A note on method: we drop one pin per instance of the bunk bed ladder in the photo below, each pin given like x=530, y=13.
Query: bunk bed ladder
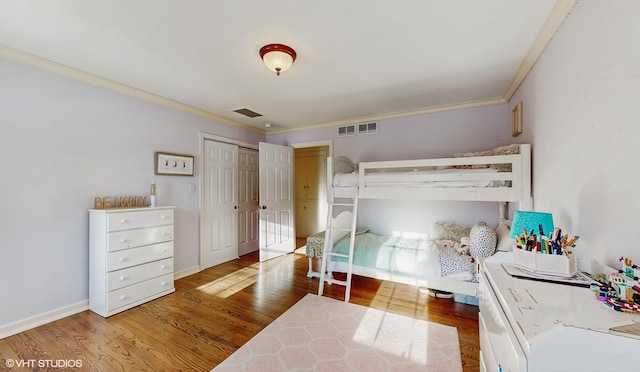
x=327, y=251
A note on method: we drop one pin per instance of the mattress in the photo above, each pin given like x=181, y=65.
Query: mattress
x=352, y=179
x=393, y=257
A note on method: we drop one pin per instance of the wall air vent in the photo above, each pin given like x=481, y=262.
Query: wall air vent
x=368, y=128
x=346, y=130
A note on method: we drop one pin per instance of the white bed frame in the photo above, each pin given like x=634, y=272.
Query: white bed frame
x=518, y=192
x=343, y=221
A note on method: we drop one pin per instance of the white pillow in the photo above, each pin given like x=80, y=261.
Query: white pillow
x=448, y=231
x=482, y=240
x=505, y=243
x=342, y=164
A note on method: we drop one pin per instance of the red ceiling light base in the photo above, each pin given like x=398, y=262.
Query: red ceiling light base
x=278, y=57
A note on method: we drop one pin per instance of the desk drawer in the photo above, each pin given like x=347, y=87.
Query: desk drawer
x=138, y=237
x=128, y=295
x=136, y=274
x=133, y=220
x=487, y=355
x=500, y=348
x=136, y=256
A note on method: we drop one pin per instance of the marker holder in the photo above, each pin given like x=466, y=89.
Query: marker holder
x=546, y=264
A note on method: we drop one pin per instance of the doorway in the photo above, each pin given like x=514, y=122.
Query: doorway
x=311, y=189
x=261, y=221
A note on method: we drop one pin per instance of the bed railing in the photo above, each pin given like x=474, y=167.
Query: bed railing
x=511, y=186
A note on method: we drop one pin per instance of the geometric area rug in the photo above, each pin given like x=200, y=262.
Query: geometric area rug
x=322, y=334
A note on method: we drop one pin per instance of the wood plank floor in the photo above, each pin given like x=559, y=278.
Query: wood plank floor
x=213, y=313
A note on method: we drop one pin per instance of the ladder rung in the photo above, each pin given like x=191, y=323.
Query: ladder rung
x=336, y=281
x=340, y=228
x=344, y=255
x=344, y=204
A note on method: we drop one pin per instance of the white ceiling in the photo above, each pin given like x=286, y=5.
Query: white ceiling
x=357, y=60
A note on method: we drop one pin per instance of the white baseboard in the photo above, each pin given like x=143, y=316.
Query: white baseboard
x=55, y=314
x=44, y=318
x=186, y=272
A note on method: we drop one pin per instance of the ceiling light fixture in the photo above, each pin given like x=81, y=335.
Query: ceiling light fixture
x=277, y=57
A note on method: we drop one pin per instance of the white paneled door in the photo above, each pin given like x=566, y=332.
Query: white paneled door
x=219, y=234
x=277, y=234
x=248, y=214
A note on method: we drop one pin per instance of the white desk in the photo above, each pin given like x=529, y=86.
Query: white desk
x=528, y=325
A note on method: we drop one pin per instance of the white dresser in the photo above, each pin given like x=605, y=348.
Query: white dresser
x=528, y=325
x=130, y=257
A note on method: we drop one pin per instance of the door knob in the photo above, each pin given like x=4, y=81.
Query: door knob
x=264, y=207
x=235, y=207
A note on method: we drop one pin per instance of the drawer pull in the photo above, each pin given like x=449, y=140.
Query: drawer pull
x=123, y=221
x=163, y=217
x=163, y=284
x=163, y=251
x=123, y=297
x=163, y=233
x=123, y=240
x=122, y=278
x=163, y=267
x=122, y=259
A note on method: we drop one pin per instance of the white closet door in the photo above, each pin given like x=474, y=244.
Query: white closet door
x=277, y=235
x=219, y=230
x=248, y=212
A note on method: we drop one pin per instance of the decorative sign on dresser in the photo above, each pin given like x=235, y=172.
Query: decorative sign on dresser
x=130, y=257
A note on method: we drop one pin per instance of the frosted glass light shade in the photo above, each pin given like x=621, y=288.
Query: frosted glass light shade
x=278, y=61
x=277, y=57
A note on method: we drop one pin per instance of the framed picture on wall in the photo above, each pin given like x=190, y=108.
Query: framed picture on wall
x=173, y=164
x=516, y=120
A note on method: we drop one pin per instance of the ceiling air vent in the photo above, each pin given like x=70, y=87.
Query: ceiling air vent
x=347, y=130
x=368, y=128
x=247, y=112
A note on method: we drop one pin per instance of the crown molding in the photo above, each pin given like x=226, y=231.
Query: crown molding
x=73, y=73
x=394, y=115
x=558, y=14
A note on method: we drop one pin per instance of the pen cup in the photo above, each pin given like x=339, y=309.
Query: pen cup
x=546, y=264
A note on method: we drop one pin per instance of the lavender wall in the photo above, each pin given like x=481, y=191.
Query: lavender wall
x=581, y=110
x=424, y=136
x=64, y=142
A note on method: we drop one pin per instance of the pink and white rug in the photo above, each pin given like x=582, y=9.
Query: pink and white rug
x=323, y=334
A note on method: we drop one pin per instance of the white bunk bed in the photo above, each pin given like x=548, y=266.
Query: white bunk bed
x=418, y=180
x=498, y=178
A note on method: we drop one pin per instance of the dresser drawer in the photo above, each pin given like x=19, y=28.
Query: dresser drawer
x=138, y=237
x=136, y=256
x=137, y=219
x=125, y=296
x=499, y=346
x=136, y=274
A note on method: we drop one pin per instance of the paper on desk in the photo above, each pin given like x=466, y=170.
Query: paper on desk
x=580, y=279
x=631, y=330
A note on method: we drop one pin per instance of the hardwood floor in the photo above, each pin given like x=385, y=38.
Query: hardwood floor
x=213, y=313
